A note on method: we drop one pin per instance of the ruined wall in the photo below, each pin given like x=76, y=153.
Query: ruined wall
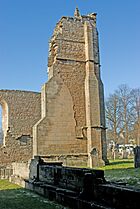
x=69, y=62
x=68, y=117
x=20, y=111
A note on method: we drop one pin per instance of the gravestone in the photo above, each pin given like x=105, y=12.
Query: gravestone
x=137, y=157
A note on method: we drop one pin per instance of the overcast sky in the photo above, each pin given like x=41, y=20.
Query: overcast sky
x=27, y=25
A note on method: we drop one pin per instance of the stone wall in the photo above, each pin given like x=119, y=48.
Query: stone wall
x=21, y=169
x=56, y=131
x=73, y=119
x=67, y=118
x=69, y=62
x=20, y=111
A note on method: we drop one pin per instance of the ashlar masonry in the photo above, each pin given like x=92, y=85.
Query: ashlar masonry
x=66, y=122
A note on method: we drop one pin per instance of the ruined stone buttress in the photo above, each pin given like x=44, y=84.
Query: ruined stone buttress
x=72, y=124
x=66, y=122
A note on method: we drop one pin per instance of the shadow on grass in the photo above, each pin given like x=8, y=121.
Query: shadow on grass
x=24, y=199
x=121, y=170
x=128, y=176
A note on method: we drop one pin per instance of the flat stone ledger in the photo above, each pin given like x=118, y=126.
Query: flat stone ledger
x=79, y=188
x=72, y=102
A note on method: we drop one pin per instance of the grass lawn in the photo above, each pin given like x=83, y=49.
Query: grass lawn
x=123, y=171
x=14, y=197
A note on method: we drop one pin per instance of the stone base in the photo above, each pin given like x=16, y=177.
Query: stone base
x=75, y=160
x=94, y=162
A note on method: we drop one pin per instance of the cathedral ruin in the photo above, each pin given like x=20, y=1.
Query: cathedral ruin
x=66, y=121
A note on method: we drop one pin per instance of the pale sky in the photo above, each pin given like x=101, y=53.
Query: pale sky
x=27, y=25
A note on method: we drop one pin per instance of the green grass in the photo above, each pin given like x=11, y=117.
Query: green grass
x=5, y=185
x=123, y=171
x=120, y=164
x=14, y=197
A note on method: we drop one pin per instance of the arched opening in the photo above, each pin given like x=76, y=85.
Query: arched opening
x=3, y=121
x=1, y=131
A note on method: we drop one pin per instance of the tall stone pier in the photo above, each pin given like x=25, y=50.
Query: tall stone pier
x=72, y=124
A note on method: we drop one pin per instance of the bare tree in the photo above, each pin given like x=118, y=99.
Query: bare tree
x=113, y=115
x=124, y=94
x=136, y=110
x=123, y=114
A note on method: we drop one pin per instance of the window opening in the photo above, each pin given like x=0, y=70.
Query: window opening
x=1, y=131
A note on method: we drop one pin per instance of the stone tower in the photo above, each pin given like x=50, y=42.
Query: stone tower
x=72, y=124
